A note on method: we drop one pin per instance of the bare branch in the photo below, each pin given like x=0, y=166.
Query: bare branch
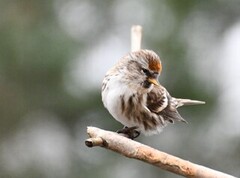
x=136, y=37
x=136, y=150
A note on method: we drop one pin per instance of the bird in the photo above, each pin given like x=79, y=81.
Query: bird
x=133, y=95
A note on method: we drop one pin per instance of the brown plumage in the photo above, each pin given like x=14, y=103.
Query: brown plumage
x=133, y=96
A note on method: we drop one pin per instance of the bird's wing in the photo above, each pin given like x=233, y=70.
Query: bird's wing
x=160, y=102
x=157, y=99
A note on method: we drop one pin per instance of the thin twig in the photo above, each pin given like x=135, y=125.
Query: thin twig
x=136, y=37
x=136, y=150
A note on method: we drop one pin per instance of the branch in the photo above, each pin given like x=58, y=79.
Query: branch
x=136, y=37
x=136, y=150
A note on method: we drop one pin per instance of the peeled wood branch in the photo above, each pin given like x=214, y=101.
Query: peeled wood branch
x=136, y=150
x=136, y=37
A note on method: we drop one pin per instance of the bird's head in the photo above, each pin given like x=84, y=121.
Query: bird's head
x=144, y=67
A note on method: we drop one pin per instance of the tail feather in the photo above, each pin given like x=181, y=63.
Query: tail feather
x=180, y=102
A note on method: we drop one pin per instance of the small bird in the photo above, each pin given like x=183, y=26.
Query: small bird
x=134, y=97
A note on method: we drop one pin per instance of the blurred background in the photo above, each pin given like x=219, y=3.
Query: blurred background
x=54, y=55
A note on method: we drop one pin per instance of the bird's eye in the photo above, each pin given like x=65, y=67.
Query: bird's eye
x=145, y=71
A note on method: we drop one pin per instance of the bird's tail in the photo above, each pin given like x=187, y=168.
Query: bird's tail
x=180, y=102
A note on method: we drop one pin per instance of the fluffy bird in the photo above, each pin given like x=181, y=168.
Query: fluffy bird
x=133, y=96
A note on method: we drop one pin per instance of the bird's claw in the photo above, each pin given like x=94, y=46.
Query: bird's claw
x=131, y=132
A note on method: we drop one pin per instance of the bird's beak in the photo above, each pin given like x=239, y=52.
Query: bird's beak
x=153, y=81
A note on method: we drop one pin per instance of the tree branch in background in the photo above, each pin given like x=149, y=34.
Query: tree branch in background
x=136, y=37
x=136, y=150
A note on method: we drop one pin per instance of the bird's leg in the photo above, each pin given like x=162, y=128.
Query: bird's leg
x=131, y=132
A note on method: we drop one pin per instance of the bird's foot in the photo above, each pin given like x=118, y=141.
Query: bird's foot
x=131, y=132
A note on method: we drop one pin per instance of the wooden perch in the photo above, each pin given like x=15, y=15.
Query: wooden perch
x=136, y=150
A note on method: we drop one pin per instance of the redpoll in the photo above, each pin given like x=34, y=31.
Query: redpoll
x=134, y=97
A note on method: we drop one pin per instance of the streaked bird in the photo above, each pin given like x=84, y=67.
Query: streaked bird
x=134, y=97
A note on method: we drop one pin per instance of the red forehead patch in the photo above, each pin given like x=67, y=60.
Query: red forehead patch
x=155, y=65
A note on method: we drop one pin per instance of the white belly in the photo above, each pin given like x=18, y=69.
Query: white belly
x=111, y=97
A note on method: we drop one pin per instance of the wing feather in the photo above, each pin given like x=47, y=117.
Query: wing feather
x=157, y=99
x=160, y=102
